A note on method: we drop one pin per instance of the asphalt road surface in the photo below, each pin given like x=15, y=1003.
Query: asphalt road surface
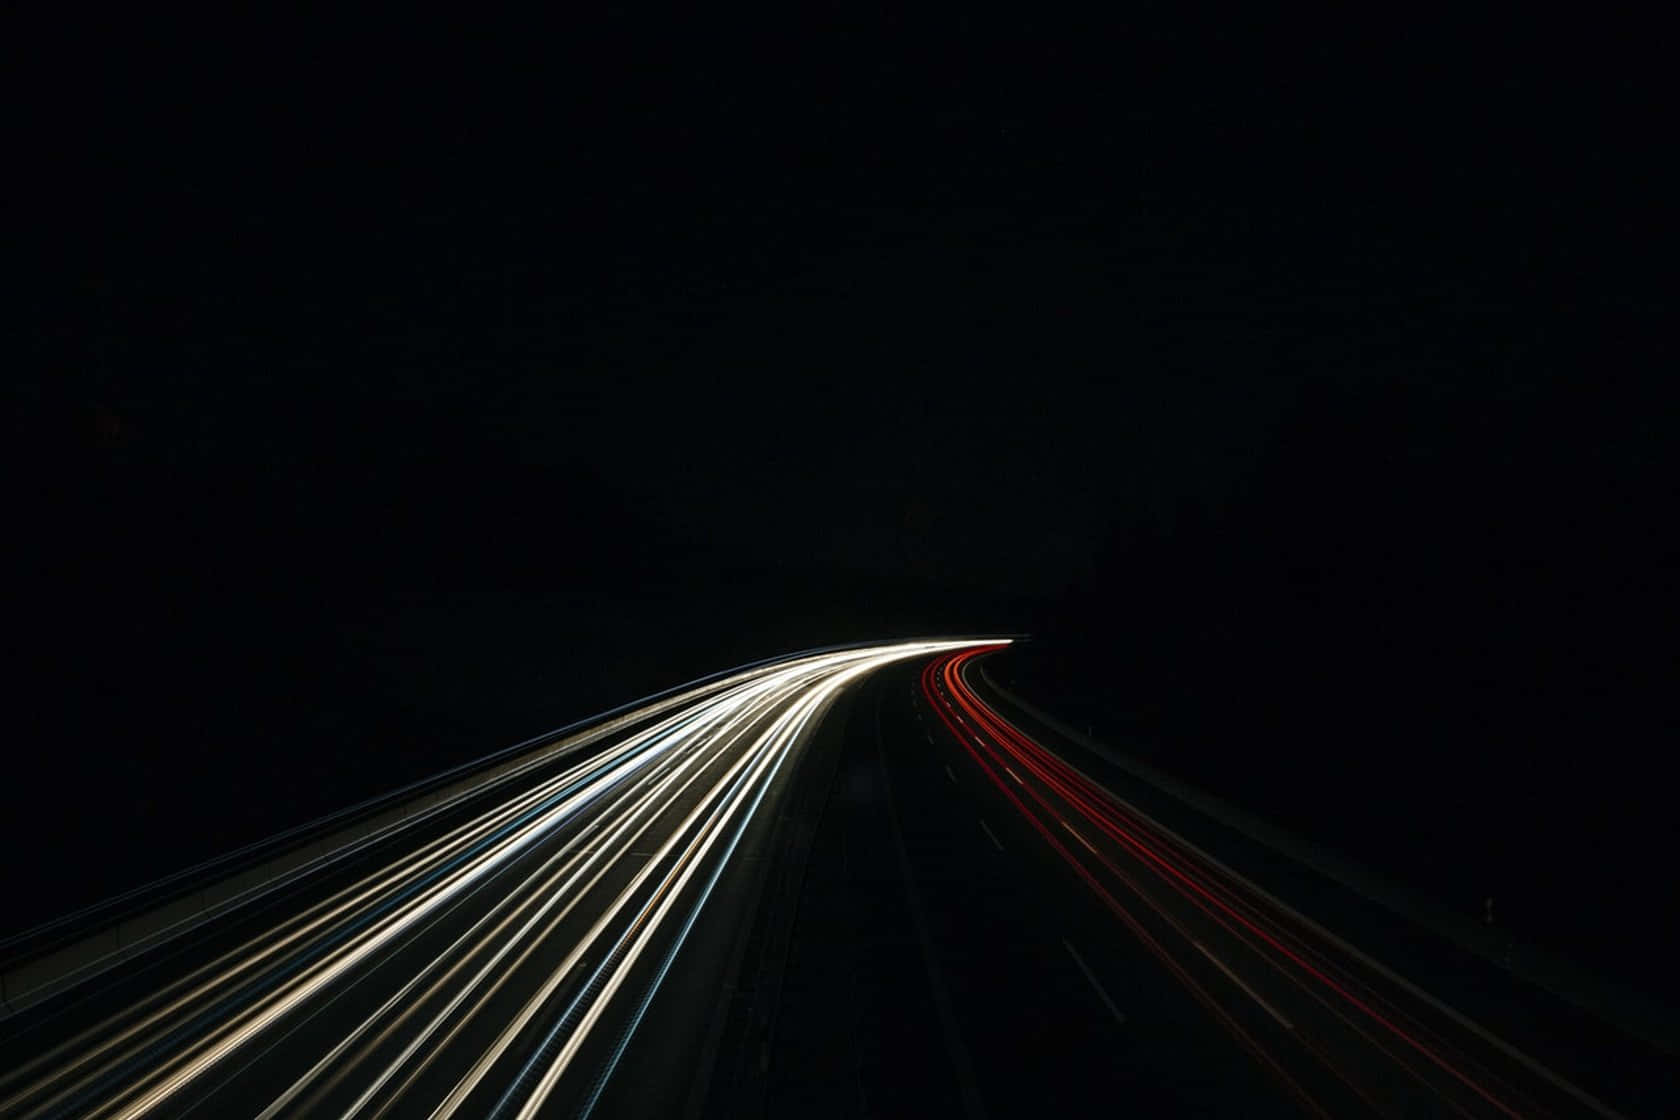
x=1335, y=1031
x=847, y=884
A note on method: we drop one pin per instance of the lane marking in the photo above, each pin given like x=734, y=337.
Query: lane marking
x=1238, y=982
x=991, y=837
x=1014, y=775
x=1101, y=994
x=1388, y=973
x=1079, y=838
x=950, y=775
x=961, y=1061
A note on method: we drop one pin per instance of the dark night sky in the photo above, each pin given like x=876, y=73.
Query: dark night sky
x=406, y=388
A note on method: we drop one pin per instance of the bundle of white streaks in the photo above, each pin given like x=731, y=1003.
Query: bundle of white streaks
x=471, y=971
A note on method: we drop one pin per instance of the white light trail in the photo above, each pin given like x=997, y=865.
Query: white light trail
x=670, y=801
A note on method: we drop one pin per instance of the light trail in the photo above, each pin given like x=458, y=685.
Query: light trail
x=1349, y=1015
x=567, y=884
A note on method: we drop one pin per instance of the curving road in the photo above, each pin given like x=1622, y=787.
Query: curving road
x=497, y=956
x=1338, y=1031
x=845, y=883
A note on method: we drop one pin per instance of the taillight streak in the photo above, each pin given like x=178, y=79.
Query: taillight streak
x=1043, y=765
x=1149, y=941
x=1083, y=796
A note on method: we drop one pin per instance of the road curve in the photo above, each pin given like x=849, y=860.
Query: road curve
x=495, y=960
x=1340, y=1032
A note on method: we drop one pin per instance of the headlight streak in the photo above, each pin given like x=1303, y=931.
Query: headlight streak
x=547, y=846
x=630, y=942
x=601, y=1079
x=772, y=749
x=247, y=957
x=537, y=1000
x=509, y=840
x=607, y=771
x=572, y=862
x=539, y=756
x=571, y=890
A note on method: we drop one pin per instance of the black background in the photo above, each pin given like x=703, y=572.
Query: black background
x=393, y=393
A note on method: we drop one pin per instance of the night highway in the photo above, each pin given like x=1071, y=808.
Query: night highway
x=1336, y=1028
x=493, y=956
x=841, y=882
x=834, y=563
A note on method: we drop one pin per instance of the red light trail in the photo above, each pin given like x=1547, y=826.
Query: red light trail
x=1159, y=885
